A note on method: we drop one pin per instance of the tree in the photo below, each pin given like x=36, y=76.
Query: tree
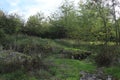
x=114, y=13
x=66, y=19
x=88, y=21
x=57, y=28
x=34, y=25
x=15, y=24
x=11, y=24
x=94, y=17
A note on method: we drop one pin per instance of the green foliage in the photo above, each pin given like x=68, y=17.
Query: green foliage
x=65, y=22
x=43, y=74
x=85, y=23
x=55, y=66
x=91, y=21
x=115, y=71
x=57, y=32
x=34, y=25
x=68, y=69
x=17, y=75
x=2, y=36
x=29, y=45
x=11, y=24
x=11, y=61
x=107, y=56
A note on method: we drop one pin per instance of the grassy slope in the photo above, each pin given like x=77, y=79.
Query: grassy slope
x=68, y=69
x=74, y=65
x=61, y=69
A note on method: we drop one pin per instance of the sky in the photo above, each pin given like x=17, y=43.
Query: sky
x=27, y=8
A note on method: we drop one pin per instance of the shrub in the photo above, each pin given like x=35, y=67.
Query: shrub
x=11, y=61
x=107, y=56
x=2, y=36
x=58, y=32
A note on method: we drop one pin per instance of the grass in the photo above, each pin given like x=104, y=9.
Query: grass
x=60, y=68
x=17, y=75
x=68, y=69
x=115, y=71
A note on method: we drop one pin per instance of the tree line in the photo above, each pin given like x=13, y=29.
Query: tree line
x=92, y=20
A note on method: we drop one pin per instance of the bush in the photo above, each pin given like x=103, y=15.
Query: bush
x=11, y=61
x=2, y=36
x=107, y=56
x=28, y=45
x=58, y=32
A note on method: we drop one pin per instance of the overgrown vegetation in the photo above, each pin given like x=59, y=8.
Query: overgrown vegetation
x=60, y=46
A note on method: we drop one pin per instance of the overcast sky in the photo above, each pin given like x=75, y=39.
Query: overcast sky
x=26, y=8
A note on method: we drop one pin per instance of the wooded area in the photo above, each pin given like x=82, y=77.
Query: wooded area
x=82, y=34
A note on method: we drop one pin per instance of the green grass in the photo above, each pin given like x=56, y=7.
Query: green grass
x=68, y=69
x=115, y=71
x=17, y=75
x=63, y=69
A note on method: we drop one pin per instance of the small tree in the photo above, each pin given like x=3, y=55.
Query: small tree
x=34, y=25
